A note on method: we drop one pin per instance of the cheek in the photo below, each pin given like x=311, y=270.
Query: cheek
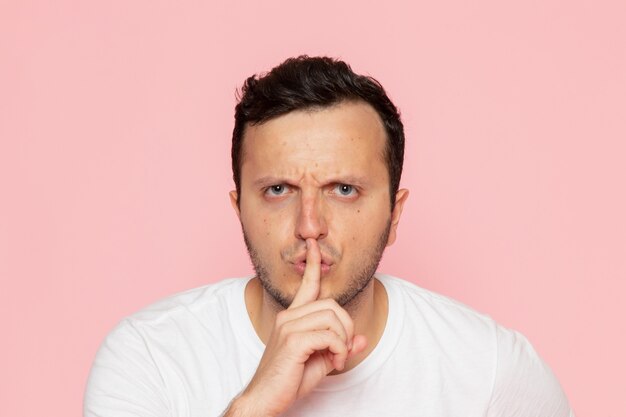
x=267, y=228
x=258, y=227
x=362, y=228
x=265, y=231
x=350, y=231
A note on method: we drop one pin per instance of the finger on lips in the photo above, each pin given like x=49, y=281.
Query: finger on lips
x=323, y=323
x=310, y=287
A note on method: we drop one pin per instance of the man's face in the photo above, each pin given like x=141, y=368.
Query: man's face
x=317, y=174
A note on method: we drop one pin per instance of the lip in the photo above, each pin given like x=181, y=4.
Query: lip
x=302, y=258
x=299, y=264
x=300, y=267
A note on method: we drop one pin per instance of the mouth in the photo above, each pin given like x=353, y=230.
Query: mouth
x=300, y=267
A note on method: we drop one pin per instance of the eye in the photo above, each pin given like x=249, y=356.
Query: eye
x=345, y=190
x=277, y=190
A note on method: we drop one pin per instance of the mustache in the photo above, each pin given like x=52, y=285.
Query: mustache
x=299, y=248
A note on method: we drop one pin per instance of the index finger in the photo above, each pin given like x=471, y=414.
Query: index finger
x=310, y=287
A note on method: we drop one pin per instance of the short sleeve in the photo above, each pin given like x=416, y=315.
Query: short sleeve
x=124, y=380
x=524, y=386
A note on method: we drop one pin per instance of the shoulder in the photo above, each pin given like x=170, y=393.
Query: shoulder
x=177, y=320
x=192, y=300
x=444, y=313
x=521, y=382
x=128, y=370
x=524, y=384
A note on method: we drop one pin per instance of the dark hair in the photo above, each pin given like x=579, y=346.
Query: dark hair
x=308, y=82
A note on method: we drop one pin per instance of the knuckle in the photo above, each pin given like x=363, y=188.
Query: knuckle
x=341, y=349
x=281, y=318
x=291, y=340
x=284, y=329
x=349, y=325
x=328, y=314
x=335, y=338
x=328, y=336
x=340, y=313
x=331, y=303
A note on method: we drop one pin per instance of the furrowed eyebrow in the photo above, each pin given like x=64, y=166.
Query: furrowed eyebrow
x=267, y=181
x=349, y=179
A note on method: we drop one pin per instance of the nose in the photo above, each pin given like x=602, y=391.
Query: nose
x=311, y=221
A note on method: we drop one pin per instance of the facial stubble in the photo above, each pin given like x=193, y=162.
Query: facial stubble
x=357, y=282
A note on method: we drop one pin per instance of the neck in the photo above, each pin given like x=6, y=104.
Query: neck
x=368, y=311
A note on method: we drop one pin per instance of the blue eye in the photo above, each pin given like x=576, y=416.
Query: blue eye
x=345, y=189
x=276, y=190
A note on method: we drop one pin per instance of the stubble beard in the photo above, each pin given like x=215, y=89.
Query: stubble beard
x=349, y=297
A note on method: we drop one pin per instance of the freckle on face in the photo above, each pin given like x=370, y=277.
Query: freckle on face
x=324, y=145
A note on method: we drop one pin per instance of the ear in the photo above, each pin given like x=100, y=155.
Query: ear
x=401, y=197
x=234, y=199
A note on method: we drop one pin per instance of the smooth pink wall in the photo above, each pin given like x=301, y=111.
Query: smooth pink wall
x=115, y=119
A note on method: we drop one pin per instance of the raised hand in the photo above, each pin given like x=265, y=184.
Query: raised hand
x=309, y=340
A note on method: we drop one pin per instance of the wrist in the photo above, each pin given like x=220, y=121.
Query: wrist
x=244, y=406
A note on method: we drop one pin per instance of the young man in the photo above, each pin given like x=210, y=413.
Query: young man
x=317, y=158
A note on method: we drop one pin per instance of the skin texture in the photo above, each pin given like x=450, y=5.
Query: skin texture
x=316, y=217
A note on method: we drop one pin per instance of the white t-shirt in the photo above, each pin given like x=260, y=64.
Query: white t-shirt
x=190, y=354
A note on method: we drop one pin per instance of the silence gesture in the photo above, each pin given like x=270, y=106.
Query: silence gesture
x=309, y=340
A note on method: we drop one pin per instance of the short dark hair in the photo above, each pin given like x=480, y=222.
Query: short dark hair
x=308, y=82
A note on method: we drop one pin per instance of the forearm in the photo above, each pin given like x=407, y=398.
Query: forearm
x=241, y=406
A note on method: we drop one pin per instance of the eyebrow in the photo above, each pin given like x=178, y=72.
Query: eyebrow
x=267, y=181
x=340, y=179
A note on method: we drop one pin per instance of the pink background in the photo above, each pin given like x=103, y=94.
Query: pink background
x=115, y=123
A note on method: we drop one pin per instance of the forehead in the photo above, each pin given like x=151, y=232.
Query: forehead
x=340, y=139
